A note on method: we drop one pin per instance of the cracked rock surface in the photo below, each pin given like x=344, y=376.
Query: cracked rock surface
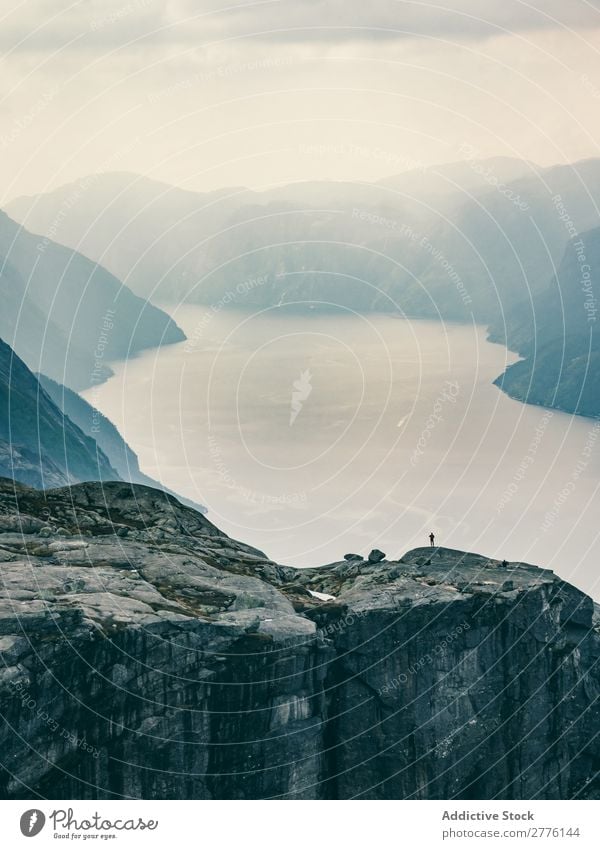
x=145, y=654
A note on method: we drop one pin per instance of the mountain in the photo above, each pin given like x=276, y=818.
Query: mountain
x=50, y=436
x=38, y=444
x=386, y=246
x=66, y=315
x=558, y=336
x=177, y=663
x=139, y=229
x=468, y=176
x=469, y=241
x=95, y=425
x=507, y=247
x=564, y=375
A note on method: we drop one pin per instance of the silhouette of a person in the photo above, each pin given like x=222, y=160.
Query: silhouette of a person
x=432, y=539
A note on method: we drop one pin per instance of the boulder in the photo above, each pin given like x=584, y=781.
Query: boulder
x=376, y=556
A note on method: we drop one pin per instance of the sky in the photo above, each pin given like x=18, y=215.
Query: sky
x=206, y=93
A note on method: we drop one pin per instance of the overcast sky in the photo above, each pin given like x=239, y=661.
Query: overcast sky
x=205, y=93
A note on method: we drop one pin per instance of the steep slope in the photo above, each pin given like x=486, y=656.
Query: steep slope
x=147, y=655
x=507, y=242
x=25, y=326
x=38, y=444
x=145, y=232
x=558, y=336
x=67, y=316
x=95, y=425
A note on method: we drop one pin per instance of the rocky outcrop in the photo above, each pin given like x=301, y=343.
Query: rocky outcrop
x=29, y=466
x=146, y=654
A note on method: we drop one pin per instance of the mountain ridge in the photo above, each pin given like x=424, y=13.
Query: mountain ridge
x=488, y=251
x=39, y=444
x=106, y=435
x=66, y=315
x=558, y=337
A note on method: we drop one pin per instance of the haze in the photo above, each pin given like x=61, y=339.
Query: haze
x=203, y=94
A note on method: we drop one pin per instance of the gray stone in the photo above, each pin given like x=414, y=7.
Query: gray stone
x=376, y=556
x=158, y=667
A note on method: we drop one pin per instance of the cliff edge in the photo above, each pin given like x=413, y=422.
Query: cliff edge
x=145, y=654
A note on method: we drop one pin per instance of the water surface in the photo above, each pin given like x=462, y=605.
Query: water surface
x=314, y=436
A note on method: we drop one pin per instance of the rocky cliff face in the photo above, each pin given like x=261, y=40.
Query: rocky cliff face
x=146, y=654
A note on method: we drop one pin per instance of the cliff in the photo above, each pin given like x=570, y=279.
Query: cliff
x=146, y=654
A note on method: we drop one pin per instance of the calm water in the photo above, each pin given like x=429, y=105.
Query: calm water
x=312, y=436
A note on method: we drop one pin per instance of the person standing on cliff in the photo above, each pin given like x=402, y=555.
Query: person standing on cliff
x=432, y=539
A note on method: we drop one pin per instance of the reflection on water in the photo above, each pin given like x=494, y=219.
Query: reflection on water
x=313, y=436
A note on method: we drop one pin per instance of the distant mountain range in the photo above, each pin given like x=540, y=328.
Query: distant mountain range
x=473, y=240
x=393, y=245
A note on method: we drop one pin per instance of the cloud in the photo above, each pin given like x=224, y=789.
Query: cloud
x=204, y=95
x=102, y=24
x=351, y=19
